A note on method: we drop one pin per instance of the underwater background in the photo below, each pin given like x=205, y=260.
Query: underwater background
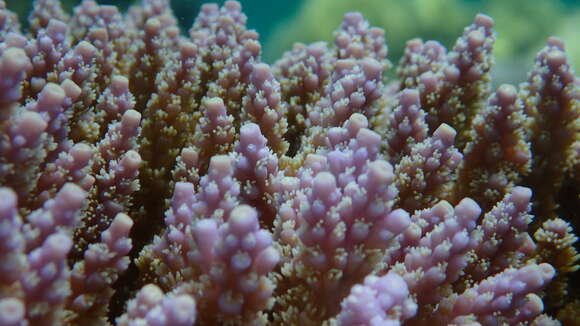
x=522, y=25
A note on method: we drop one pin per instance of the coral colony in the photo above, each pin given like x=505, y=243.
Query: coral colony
x=152, y=177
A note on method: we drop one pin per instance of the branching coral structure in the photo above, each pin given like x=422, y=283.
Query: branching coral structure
x=150, y=177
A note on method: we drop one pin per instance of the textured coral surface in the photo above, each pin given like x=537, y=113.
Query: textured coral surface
x=152, y=177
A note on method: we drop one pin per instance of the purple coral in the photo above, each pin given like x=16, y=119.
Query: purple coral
x=237, y=257
x=13, y=244
x=355, y=88
x=379, y=301
x=150, y=177
x=441, y=255
x=502, y=296
x=497, y=154
x=426, y=173
x=406, y=125
x=13, y=65
x=153, y=308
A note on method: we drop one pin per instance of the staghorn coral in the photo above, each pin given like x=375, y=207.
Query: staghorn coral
x=148, y=177
x=523, y=25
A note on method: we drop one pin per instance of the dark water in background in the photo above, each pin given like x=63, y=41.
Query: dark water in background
x=280, y=23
